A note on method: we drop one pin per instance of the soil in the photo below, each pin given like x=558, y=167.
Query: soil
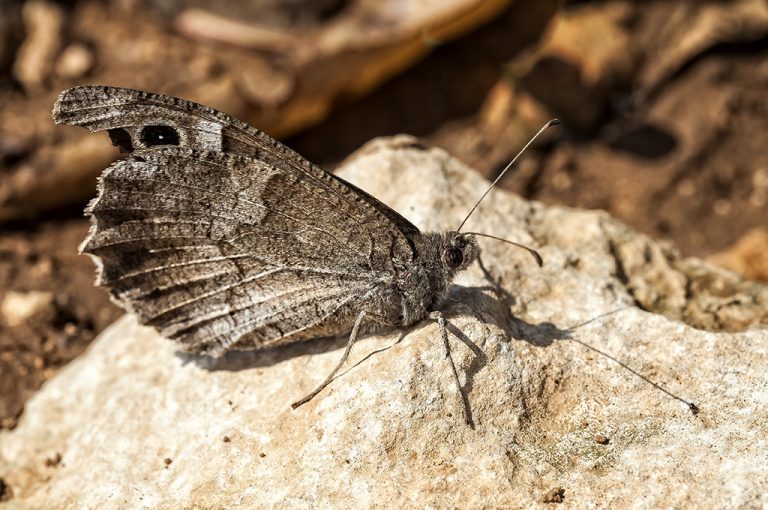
x=700, y=179
x=44, y=258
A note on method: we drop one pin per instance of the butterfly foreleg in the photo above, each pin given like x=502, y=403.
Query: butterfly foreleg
x=352, y=339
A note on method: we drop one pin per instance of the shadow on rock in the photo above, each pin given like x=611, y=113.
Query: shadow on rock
x=255, y=358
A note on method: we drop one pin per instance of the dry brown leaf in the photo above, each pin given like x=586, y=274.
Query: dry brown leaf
x=692, y=28
x=209, y=26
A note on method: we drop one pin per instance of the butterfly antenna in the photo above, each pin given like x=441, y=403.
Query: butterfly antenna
x=690, y=405
x=551, y=123
x=530, y=250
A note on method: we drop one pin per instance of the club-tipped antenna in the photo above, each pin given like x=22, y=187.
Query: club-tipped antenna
x=530, y=250
x=551, y=123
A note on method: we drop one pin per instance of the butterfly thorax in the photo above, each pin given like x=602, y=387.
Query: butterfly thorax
x=423, y=283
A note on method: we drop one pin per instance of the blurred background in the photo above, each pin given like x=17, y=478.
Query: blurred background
x=663, y=106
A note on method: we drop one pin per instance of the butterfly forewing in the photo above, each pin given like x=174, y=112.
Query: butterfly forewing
x=129, y=115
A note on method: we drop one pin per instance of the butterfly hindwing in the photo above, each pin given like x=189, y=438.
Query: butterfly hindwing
x=215, y=249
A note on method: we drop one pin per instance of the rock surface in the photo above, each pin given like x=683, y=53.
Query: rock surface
x=134, y=424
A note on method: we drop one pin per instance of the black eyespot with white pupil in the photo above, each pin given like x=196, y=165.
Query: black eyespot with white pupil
x=453, y=256
x=159, y=135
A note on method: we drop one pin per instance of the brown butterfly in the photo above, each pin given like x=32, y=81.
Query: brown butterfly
x=222, y=238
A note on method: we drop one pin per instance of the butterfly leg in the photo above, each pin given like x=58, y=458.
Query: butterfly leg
x=440, y=318
x=352, y=339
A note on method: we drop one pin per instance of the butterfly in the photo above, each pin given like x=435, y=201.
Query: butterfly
x=222, y=238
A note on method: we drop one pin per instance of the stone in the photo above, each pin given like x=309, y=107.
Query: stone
x=75, y=61
x=18, y=307
x=137, y=424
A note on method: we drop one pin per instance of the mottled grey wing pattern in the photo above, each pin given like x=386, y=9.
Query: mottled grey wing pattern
x=219, y=249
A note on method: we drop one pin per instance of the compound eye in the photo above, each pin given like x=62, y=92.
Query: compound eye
x=453, y=256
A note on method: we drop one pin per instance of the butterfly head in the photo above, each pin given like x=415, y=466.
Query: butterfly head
x=459, y=251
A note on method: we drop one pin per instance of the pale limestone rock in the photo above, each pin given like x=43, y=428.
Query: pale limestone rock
x=388, y=432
